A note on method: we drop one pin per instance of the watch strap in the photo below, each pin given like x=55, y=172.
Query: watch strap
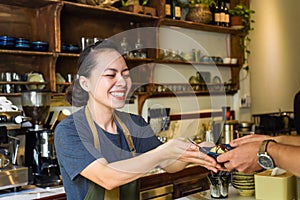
x=264, y=145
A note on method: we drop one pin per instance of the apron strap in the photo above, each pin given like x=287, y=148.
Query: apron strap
x=95, y=191
x=127, y=135
x=93, y=128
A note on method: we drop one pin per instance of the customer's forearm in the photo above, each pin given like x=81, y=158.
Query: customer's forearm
x=287, y=139
x=285, y=156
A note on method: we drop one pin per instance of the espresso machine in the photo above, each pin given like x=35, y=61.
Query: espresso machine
x=40, y=157
x=13, y=174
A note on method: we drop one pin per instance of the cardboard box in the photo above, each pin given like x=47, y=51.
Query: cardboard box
x=283, y=187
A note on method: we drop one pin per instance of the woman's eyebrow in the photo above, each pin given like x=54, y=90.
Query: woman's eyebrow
x=115, y=70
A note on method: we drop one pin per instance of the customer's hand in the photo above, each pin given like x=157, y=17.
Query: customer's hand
x=249, y=138
x=242, y=158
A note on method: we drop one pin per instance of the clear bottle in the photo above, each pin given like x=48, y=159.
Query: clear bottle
x=124, y=46
x=138, y=48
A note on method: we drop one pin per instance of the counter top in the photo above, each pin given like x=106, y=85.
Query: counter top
x=32, y=192
x=205, y=195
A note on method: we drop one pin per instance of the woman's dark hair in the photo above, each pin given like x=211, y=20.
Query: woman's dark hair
x=87, y=61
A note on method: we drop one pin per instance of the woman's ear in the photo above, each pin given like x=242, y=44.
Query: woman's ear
x=83, y=81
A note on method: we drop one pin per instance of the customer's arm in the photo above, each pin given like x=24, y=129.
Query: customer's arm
x=288, y=139
x=282, y=139
x=285, y=156
x=285, y=153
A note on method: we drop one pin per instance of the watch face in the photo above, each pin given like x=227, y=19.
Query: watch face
x=265, y=161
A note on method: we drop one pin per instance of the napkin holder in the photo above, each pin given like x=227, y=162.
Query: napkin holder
x=269, y=187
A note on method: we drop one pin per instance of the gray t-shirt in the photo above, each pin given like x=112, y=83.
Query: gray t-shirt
x=75, y=147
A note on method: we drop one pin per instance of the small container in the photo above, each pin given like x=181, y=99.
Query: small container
x=7, y=42
x=226, y=60
x=234, y=61
x=64, y=47
x=39, y=46
x=73, y=48
x=196, y=55
x=22, y=44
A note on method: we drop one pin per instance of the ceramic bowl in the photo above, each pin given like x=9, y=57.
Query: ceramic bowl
x=246, y=193
x=22, y=44
x=73, y=48
x=7, y=42
x=39, y=46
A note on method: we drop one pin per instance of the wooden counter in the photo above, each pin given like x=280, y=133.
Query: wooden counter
x=188, y=181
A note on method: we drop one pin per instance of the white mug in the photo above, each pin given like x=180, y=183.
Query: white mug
x=2, y=109
x=8, y=107
x=226, y=60
x=4, y=100
x=234, y=61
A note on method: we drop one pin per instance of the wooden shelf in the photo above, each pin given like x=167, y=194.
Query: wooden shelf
x=75, y=55
x=198, y=26
x=25, y=53
x=67, y=21
x=63, y=83
x=195, y=63
x=102, y=12
x=143, y=96
x=22, y=83
x=29, y=3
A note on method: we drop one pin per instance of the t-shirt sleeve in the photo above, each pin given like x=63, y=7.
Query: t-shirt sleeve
x=74, y=148
x=146, y=138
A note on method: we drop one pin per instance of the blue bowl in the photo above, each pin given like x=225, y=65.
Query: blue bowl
x=22, y=44
x=73, y=48
x=7, y=45
x=39, y=46
x=7, y=42
x=64, y=47
x=7, y=38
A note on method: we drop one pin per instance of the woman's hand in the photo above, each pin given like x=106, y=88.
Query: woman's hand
x=185, y=152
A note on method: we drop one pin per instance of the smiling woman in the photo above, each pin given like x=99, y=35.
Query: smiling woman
x=98, y=142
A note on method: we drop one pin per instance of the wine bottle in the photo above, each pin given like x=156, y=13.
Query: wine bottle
x=168, y=9
x=212, y=8
x=177, y=10
x=222, y=13
x=227, y=16
x=217, y=14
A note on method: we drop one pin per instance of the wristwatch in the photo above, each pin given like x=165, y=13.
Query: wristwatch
x=264, y=159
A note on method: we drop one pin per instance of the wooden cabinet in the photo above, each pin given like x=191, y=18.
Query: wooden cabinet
x=188, y=181
x=57, y=22
x=35, y=21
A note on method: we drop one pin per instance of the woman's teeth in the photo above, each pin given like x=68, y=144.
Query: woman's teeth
x=118, y=94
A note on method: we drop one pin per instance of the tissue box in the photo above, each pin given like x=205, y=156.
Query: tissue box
x=269, y=187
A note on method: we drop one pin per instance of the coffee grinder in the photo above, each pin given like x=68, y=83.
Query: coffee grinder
x=40, y=155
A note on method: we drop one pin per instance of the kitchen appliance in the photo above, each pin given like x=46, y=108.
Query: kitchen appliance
x=13, y=174
x=225, y=131
x=40, y=155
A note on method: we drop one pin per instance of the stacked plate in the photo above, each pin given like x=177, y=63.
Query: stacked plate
x=244, y=183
